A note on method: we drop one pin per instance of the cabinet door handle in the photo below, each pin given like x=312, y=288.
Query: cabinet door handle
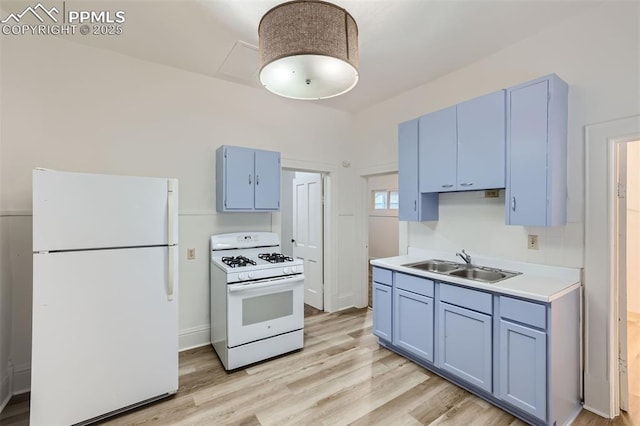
x=467, y=184
x=249, y=178
x=447, y=186
x=257, y=179
x=513, y=203
x=415, y=205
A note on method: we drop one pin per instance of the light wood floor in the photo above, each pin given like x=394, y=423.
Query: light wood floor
x=340, y=377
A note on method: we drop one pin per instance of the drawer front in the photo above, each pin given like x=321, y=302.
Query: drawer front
x=419, y=285
x=382, y=276
x=467, y=298
x=529, y=313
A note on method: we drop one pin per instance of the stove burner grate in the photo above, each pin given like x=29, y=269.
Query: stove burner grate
x=237, y=261
x=275, y=257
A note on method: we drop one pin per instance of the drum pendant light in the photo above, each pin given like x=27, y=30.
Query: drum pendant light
x=308, y=50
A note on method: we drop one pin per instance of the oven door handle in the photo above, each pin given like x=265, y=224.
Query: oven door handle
x=270, y=283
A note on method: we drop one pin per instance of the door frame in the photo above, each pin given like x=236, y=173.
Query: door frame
x=361, y=258
x=620, y=236
x=601, y=370
x=330, y=229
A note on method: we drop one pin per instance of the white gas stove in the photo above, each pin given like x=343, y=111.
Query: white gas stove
x=257, y=298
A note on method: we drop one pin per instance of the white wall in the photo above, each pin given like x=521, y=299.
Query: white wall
x=71, y=107
x=597, y=53
x=633, y=226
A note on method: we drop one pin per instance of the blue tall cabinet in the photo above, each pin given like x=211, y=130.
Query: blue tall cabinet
x=247, y=179
x=414, y=205
x=536, y=192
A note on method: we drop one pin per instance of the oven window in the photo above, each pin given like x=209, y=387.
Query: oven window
x=268, y=307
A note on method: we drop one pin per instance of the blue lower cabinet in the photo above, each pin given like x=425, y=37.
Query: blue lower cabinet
x=465, y=344
x=523, y=368
x=413, y=323
x=382, y=309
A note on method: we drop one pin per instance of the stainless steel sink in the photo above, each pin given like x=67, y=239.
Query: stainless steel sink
x=435, y=265
x=479, y=275
x=462, y=270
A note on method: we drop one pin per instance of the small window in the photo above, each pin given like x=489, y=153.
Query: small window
x=393, y=200
x=379, y=200
x=385, y=200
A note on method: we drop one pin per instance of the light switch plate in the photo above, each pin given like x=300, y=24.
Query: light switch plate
x=191, y=254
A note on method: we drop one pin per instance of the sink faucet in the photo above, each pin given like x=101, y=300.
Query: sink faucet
x=466, y=257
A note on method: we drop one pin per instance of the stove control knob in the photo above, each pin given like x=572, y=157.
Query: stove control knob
x=242, y=276
x=294, y=269
x=286, y=270
x=251, y=275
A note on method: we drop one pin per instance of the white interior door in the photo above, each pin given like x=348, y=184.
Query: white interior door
x=621, y=271
x=308, y=234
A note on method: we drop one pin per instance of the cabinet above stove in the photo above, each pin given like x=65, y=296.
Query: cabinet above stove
x=247, y=180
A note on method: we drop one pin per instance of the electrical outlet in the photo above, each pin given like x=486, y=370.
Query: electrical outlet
x=532, y=243
x=191, y=254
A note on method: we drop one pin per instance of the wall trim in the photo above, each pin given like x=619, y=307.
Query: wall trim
x=5, y=388
x=194, y=337
x=197, y=213
x=206, y=212
x=21, y=381
x=378, y=169
x=9, y=213
x=310, y=166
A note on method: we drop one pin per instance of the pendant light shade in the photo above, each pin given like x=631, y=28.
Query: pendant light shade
x=308, y=50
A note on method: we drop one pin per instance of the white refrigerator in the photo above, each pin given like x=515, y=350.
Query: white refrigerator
x=105, y=294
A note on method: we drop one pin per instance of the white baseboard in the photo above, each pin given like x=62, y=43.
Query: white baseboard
x=194, y=337
x=598, y=412
x=345, y=302
x=21, y=382
x=5, y=389
x=573, y=418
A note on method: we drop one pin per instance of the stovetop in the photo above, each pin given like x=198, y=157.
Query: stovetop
x=275, y=257
x=252, y=256
x=237, y=261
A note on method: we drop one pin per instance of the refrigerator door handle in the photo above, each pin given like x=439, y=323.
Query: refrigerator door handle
x=170, y=212
x=170, y=242
x=170, y=273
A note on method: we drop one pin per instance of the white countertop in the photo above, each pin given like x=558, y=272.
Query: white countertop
x=542, y=283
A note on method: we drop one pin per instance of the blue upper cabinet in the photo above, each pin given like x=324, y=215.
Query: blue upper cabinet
x=267, y=185
x=462, y=148
x=536, y=192
x=247, y=179
x=414, y=206
x=481, y=142
x=438, y=151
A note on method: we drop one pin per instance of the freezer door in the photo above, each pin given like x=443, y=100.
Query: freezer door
x=105, y=335
x=78, y=211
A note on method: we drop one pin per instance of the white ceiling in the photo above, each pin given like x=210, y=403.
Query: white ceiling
x=403, y=43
